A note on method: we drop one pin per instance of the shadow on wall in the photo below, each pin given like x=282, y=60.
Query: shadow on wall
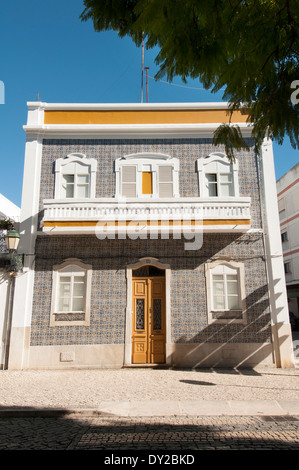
x=208, y=345
x=231, y=344
x=118, y=253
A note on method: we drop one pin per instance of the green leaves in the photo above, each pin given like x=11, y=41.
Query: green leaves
x=250, y=48
x=231, y=137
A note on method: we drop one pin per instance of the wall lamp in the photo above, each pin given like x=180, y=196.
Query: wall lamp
x=14, y=265
x=12, y=240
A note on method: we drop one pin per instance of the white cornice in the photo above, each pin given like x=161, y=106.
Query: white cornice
x=125, y=106
x=136, y=130
x=35, y=124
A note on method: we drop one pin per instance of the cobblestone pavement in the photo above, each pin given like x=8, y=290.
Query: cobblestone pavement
x=36, y=410
x=87, y=388
x=150, y=434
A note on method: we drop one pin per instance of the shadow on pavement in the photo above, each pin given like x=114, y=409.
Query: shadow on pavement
x=63, y=430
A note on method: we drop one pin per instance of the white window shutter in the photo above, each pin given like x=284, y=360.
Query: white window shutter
x=165, y=181
x=128, y=176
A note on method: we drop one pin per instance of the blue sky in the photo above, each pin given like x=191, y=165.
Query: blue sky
x=46, y=49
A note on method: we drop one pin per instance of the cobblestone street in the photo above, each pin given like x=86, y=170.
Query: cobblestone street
x=149, y=410
x=150, y=434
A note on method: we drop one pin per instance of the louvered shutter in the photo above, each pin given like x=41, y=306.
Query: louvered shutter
x=128, y=186
x=165, y=181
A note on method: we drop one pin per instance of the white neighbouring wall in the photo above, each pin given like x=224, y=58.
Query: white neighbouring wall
x=4, y=312
x=7, y=210
x=281, y=329
x=288, y=205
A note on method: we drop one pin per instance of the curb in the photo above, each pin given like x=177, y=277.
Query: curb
x=146, y=409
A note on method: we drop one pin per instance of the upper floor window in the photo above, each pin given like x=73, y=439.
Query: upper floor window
x=287, y=268
x=284, y=236
x=75, y=177
x=217, y=177
x=147, y=175
x=225, y=290
x=282, y=208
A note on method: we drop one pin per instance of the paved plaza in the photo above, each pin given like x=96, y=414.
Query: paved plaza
x=150, y=409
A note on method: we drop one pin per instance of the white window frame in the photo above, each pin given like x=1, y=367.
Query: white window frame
x=147, y=162
x=225, y=267
x=75, y=164
x=70, y=267
x=217, y=163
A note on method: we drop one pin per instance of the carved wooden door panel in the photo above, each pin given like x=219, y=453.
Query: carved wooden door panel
x=148, y=321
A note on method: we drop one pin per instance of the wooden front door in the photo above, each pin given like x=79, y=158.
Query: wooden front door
x=148, y=322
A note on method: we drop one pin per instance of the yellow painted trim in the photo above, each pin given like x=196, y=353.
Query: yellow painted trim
x=147, y=183
x=148, y=223
x=192, y=116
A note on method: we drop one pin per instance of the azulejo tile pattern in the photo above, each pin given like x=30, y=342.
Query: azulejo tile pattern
x=109, y=258
x=186, y=150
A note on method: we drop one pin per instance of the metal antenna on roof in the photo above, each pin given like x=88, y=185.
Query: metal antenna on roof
x=142, y=63
x=146, y=68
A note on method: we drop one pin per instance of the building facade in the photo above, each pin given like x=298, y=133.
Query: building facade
x=288, y=204
x=143, y=244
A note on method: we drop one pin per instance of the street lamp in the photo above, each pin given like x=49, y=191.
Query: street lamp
x=12, y=240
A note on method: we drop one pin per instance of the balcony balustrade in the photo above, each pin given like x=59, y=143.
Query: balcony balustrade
x=76, y=216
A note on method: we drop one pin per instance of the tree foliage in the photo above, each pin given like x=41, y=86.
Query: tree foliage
x=248, y=48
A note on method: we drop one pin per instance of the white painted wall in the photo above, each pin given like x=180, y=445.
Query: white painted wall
x=288, y=203
x=4, y=293
x=9, y=209
x=22, y=307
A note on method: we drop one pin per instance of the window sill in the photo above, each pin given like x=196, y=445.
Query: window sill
x=69, y=319
x=228, y=316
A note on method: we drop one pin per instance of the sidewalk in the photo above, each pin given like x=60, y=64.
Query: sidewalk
x=150, y=392
x=147, y=410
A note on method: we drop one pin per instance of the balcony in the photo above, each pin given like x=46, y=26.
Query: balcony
x=108, y=215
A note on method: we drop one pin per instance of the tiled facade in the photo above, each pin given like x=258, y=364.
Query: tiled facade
x=187, y=150
x=240, y=321
x=109, y=258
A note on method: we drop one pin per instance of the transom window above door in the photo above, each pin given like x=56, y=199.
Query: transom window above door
x=147, y=175
x=148, y=271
